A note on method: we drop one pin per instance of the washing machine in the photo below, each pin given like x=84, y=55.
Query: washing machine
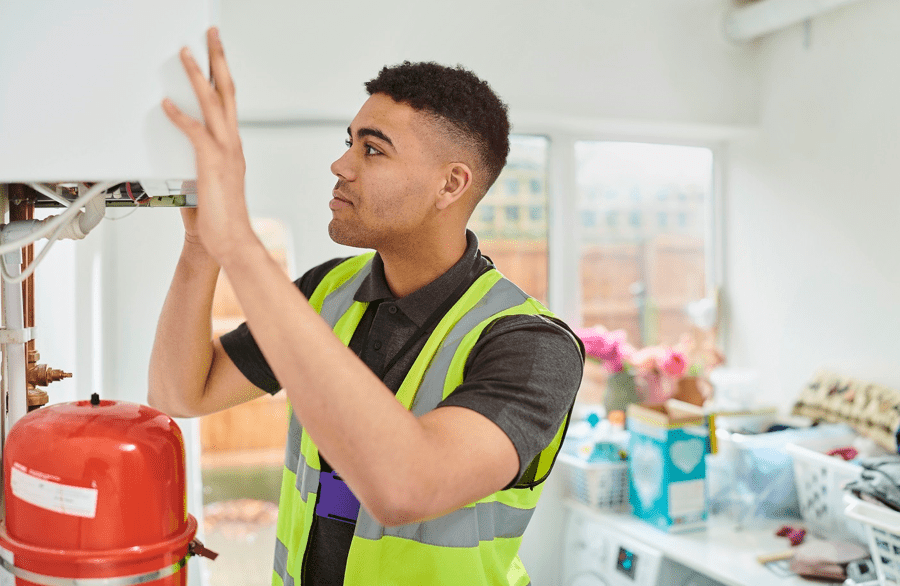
x=595, y=556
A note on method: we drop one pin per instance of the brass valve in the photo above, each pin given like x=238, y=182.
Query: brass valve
x=37, y=398
x=41, y=375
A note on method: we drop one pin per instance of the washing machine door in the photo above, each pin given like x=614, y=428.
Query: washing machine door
x=585, y=552
x=587, y=579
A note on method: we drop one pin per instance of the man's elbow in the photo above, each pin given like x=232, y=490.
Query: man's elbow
x=164, y=403
x=399, y=506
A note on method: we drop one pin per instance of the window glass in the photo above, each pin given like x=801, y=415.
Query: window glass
x=644, y=264
x=515, y=237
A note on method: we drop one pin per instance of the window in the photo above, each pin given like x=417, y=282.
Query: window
x=517, y=247
x=639, y=214
x=640, y=276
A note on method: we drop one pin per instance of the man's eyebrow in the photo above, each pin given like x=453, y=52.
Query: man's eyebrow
x=371, y=132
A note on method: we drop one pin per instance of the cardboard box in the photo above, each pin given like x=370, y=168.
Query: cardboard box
x=667, y=465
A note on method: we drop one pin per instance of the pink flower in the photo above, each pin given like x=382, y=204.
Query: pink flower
x=610, y=347
x=645, y=359
x=673, y=363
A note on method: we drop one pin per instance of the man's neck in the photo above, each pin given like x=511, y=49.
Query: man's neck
x=413, y=267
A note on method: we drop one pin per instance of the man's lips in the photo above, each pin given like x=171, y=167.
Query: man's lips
x=337, y=202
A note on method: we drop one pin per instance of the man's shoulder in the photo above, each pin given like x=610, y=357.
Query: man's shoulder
x=535, y=331
x=311, y=278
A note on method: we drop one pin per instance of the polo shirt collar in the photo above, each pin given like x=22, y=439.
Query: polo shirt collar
x=420, y=304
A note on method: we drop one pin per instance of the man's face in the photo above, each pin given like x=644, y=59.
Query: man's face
x=387, y=180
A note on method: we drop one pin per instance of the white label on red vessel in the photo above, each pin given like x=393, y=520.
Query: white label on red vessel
x=33, y=487
x=7, y=579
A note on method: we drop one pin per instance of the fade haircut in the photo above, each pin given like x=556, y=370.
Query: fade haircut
x=464, y=105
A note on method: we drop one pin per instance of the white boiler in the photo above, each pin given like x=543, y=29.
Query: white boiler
x=81, y=84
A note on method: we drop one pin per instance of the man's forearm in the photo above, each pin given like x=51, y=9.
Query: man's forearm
x=182, y=350
x=338, y=400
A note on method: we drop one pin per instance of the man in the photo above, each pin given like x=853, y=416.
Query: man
x=428, y=394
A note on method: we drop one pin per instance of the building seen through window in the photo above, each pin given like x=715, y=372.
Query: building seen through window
x=641, y=267
x=511, y=220
x=642, y=213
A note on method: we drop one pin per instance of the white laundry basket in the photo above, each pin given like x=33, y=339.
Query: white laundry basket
x=820, y=481
x=882, y=527
x=599, y=485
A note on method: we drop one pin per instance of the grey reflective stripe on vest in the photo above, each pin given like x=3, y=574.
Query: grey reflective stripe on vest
x=307, y=477
x=503, y=295
x=462, y=528
x=339, y=301
x=281, y=555
x=292, y=448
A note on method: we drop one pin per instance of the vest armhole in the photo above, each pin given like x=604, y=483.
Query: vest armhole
x=529, y=479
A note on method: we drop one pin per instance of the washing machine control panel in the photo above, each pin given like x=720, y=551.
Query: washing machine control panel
x=598, y=555
x=627, y=562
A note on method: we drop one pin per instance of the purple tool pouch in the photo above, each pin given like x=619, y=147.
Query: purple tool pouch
x=335, y=499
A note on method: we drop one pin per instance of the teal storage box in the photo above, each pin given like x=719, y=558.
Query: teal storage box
x=667, y=468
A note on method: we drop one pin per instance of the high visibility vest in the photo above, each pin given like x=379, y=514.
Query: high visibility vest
x=475, y=545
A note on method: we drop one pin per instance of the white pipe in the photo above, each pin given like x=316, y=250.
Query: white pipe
x=49, y=225
x=14, y=353
x=94, y=211
x=768, y=16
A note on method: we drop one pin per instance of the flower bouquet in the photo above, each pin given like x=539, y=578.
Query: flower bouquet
x=648, y=375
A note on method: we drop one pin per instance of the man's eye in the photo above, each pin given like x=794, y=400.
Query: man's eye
x=348, y=142
x=370, y=150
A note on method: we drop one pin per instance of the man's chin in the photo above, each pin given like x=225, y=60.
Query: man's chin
x=342, y=235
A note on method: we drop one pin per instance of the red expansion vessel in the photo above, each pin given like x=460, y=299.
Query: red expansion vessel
x=95, y=489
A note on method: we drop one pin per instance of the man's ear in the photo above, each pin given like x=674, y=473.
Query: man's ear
x=457, y=182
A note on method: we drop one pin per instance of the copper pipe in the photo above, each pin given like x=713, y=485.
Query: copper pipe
x=21, y=207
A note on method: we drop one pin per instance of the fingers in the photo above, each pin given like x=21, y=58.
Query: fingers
x=221, y=76
x=210, y=102
x=193, y=129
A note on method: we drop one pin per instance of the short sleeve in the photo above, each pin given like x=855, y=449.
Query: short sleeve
x=242, y=348
x=523, y=374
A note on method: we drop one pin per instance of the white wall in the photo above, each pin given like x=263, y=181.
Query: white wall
x=644, y=59
x=813, y=210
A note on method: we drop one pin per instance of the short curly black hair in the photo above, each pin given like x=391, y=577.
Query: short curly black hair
x=456, y=96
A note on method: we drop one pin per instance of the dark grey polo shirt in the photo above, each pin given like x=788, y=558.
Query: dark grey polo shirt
x=522, y=374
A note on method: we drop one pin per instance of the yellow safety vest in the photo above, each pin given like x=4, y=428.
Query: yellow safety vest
x=475, y=545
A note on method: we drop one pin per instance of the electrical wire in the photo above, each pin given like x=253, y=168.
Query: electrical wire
x=50, y=193
x=64, y=218
x=123, y=216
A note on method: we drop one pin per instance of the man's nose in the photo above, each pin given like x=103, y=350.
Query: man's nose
x=342, y=167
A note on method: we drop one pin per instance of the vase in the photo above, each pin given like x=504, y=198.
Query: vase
x=621, y=391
